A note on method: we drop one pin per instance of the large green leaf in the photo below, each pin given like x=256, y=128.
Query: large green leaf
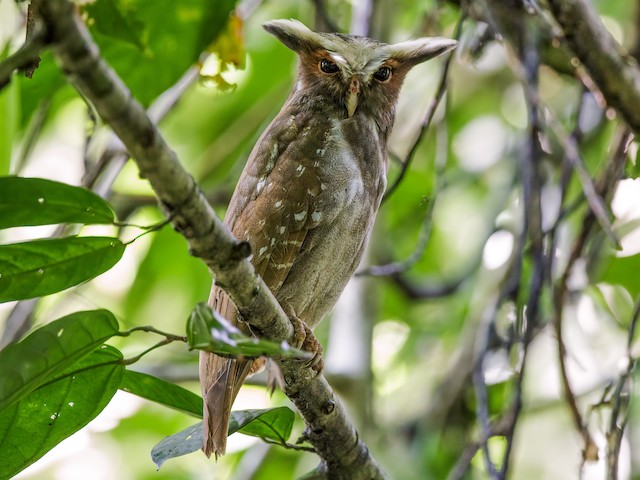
x=61, y=407
x=152, y=44
x=36, y=201
x=163, y=392
x=274, y=424
x=42, y=267
x=207, y=330
x=26, y=365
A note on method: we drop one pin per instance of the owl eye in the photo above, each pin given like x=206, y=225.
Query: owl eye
x=382, y=74
x=327, y=66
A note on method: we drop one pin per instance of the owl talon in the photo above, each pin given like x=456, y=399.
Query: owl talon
x=304, y=339
x=299, y=329
x=316, y=363
x=312, y=345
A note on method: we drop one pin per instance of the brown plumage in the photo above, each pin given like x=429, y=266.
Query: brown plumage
x=307, y=198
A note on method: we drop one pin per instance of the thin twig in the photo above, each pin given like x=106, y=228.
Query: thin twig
x=327, y=22
x=605, y=187
x=572, y=155
x=621, y=399
x=533, y=226
x=532, y=233
x=150, y=329
x=23, y=58
x=426, y=121
x=289, y=446
x=395, y=268
x=161, y=343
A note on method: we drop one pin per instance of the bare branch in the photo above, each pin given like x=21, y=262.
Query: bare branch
x=23, y=58
x=560, y=291
x=573, y=157
x=330, y=431
x=613, y=70
x=324, y=23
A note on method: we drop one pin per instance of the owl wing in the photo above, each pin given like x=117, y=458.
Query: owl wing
x=276, y=201
x=273, y=207
x=280, y=211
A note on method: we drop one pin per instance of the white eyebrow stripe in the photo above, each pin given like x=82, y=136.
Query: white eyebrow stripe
x=338, y=58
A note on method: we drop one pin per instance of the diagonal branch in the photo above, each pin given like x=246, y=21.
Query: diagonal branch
x=613, y=70
x=329, y=429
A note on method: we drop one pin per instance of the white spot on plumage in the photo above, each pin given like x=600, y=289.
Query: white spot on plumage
x=272, y=242
x=278, y=204
x=300, y=216
x=282, y=266
x=283, y=229
x=262, y=251
x=273, y=157
x=300, y=170
x=315, y=216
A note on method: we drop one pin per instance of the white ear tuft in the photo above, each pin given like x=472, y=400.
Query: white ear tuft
x=294, y=34
x=420, y=50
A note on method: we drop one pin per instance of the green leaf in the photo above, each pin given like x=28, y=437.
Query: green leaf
x=162, y=392
x=42, y=267
x=272, y=423
x=622, y=271
x=173, y=35
x=182, y=443
x=207, y=330
x=275, y=423
x=61, y=407
x=36, y=201
x=26, y=365
x=115, y=20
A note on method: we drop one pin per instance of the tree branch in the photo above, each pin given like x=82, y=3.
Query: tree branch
x=23, y=58
x=329, y=429
x=613, y=70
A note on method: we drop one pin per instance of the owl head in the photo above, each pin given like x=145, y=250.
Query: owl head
x=351, y=73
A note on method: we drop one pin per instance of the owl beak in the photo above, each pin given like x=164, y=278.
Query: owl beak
x=352, y=97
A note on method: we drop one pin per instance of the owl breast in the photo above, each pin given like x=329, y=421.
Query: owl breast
x=351, y=169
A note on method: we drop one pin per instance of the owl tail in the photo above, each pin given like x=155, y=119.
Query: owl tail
x=220, y=379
